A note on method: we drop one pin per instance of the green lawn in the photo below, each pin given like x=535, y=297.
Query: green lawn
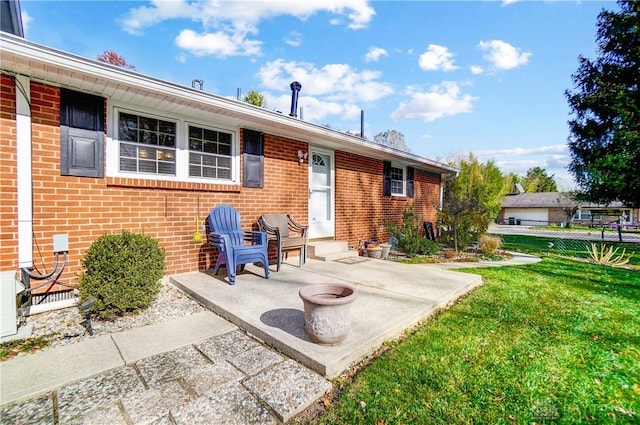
x=565, y=247
x=553, y=342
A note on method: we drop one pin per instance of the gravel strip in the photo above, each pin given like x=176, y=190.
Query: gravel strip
x=68, y=325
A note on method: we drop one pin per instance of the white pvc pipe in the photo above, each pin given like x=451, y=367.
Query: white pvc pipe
x=55, y=305
x=24, y=172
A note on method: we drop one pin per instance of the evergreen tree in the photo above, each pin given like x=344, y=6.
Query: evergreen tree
x=537, y=180
x=605, y=133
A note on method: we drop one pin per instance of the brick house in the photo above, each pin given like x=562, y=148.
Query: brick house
x=544, y=208
x=88, y=148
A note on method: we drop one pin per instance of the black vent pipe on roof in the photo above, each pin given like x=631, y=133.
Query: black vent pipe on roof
x=362, y=123
x=295, y=89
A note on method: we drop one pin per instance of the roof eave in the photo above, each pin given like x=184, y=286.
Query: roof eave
x=278, y=123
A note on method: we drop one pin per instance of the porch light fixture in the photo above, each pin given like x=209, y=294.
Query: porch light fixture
x=302, y=156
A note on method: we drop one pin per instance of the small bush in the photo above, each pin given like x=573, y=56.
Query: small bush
x=428, y=247
x=408, y=238
x=489, y=244
x=122, y=273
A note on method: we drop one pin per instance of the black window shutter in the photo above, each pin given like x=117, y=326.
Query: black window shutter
x=410, y=178
x=253, y=159
x=81, y=134
x=386, y=183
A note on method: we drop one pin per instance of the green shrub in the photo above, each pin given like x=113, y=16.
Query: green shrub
x=122, y=273
x=428, y=247
x=408, y=238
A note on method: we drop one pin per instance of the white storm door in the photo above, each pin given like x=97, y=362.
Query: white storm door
x=321, y=194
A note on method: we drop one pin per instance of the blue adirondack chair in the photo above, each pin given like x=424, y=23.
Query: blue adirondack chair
x=235, y=246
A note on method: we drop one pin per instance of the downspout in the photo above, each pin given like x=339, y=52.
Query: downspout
x=441, y=193
x=24, y=172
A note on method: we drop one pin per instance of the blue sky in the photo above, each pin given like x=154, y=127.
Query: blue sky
x=454, y=77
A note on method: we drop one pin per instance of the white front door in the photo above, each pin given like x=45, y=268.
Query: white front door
x=321, y=194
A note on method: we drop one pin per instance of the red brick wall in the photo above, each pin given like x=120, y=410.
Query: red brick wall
x=362, y=209
x=85, y=208
x=8, y=189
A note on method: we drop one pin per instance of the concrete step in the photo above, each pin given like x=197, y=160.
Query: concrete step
x=329, y=250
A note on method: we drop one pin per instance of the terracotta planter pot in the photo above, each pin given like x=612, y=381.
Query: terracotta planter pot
x=327, y=311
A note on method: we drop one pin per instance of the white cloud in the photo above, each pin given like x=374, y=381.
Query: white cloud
x=313, y=109
x=553, y=158
x=145, y=16
x=333, y=82
x=235, y=22
x=508, y=2
x=524, y=151
x=442, y=100
x=503, y=55
x=218, y=44
x=435, y=58
x=26, y=21
x=294, y=39
x=329, y=92
x=476, y=69
x=374, y=54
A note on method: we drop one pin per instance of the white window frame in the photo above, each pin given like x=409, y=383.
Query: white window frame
x=404, y=179
x=142, y=146
x=231, y=155
x=585, y=214
x=181, y=148
x=628, y=217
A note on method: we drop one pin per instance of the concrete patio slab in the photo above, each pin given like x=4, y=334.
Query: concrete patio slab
x=392, y=298
x=27, y=375
x=136, y=344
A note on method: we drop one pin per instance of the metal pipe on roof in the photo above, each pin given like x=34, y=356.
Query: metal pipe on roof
x=295, y=89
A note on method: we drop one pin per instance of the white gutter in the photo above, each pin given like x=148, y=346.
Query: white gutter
x=24, y=172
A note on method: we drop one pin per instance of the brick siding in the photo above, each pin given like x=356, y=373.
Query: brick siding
x=85, y=208
x=8, y=189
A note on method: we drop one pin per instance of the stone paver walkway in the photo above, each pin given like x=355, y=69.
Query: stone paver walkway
x=231, y=379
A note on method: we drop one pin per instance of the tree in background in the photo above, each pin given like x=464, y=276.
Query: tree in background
x=470, y=200
x=391, y=138
x=537, y=180
x=255, y=98
x=605, y=133
x=109, y=56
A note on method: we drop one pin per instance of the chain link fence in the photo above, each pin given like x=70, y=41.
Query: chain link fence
x=562, y=240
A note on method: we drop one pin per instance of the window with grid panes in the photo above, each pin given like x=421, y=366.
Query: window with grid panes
x=585, y=214
x=147, y=145
x=209, y=153
x=397, y=181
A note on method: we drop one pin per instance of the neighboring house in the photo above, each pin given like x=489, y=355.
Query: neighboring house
x=88, y=148
x=559, y=208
